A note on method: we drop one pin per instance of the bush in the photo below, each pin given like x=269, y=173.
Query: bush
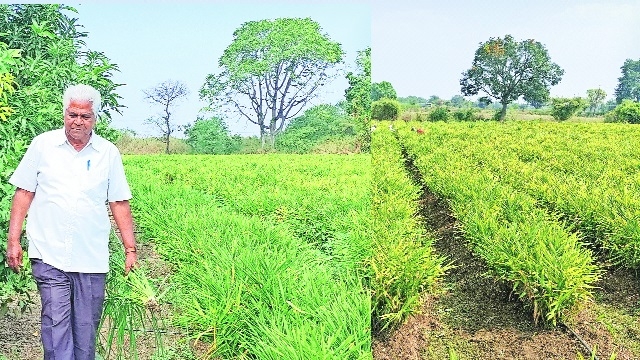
x=628, y=111
x=406, y=116
x=131, y=145
x=564, y=108
x=317, y=125
x=210, y=136
x=440, y=113
x=385, y=109
x=468, y=114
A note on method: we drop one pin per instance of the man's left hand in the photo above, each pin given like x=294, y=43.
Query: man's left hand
x=130, y=262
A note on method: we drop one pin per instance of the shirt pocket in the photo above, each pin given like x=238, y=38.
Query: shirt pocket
x=95, y=186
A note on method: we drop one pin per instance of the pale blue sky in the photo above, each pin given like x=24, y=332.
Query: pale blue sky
x=156, y=41
x=423, y=47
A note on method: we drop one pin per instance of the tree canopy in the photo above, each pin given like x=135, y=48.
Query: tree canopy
x=413, y=100
x=271, y=70
x=435, y=100
x=41, y=53
x=358, y=94
x=53, y=56
x=506, y=69
x=595, y=98
x=358, y=97
x=383, y=90
x=460, y=101
x=629, y=83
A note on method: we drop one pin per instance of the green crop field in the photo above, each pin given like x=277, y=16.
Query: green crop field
x=278, y=256
x=548, y=207
x=268, y=252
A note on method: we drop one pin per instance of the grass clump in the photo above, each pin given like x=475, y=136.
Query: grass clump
x=131, y=307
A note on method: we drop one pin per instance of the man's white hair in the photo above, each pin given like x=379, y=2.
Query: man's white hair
x=82, y=92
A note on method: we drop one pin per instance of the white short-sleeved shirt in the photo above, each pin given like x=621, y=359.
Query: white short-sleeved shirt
x=68, y=224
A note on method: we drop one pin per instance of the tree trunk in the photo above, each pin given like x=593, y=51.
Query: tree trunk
x=168, y=126
x=272, y=134
x=503, y=112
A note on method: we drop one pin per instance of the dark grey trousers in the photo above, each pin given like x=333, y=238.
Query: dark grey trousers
x=71, y=309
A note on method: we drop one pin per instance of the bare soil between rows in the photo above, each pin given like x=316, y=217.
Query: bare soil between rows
x=475, y=317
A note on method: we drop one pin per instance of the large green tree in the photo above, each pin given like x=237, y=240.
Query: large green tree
x=271, y=70
x=629, y=83
x=595, y=98
x=506, y=69
x=358, y=97
x=383, y=90
x=41, y=53
x=53, y=56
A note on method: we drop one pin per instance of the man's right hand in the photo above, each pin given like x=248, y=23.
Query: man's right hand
x=14, y=255
x=19, y=207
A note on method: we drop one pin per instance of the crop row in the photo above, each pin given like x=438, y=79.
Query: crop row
x=267, y=252
x=586, y=172
x=522, y=243
x=403, y=264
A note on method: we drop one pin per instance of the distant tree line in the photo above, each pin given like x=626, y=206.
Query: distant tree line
x=269, y=75
x=504, y=71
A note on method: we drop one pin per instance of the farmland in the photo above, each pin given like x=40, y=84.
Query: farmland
x=539, y=221
x=265, y=255
x=267, y=252
x=490, y=240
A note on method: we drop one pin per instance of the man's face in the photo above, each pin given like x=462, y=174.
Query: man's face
x=79, y=120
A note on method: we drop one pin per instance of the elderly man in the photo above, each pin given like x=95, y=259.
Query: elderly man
x=64, y=181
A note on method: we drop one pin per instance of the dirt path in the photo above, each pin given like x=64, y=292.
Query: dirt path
x=20, y=333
